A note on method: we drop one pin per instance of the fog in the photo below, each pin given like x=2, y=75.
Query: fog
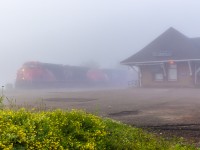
x=76, y=31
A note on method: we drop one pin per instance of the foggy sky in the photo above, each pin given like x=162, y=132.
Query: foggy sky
x=76, y=31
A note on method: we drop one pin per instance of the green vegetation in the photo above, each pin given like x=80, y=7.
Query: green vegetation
x=58, y=129
x=22, y=129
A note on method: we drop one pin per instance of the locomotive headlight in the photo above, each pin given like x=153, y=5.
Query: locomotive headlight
x=23, y=70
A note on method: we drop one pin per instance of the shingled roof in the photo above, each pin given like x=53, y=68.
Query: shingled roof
x=170, y=45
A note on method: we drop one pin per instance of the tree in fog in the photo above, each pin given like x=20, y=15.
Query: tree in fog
x=91, y=64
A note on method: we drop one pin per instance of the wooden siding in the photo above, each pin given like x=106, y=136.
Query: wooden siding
x=184, y=79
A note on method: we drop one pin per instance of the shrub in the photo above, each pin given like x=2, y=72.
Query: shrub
x=58, y=129
x=50, y=130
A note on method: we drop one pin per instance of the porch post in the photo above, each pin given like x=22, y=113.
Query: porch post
x=164, y=70
x=190, y=69
x=195, y=74
x=197, y=70
x=139, y=74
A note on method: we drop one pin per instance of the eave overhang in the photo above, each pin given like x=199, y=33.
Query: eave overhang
x=156, y=62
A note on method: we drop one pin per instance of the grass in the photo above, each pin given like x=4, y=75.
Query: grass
x=76, y=129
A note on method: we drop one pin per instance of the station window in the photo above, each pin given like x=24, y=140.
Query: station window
x=172, y=72
x=157, y=73
x=159, y=77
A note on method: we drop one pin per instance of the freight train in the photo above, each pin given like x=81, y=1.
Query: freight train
x=46, y=75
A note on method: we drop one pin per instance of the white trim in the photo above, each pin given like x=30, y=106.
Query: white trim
x=147, y=62
x=133, y=67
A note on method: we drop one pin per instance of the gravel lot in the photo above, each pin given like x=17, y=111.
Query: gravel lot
x=143, y=107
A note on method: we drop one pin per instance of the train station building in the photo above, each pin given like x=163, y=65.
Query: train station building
x=171, y=60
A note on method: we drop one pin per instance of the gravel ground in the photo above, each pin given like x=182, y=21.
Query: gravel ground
x=165, y=111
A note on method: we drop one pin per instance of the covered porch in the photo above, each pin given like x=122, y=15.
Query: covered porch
x=170, y=73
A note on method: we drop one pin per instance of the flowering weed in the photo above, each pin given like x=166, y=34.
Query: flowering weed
x=60, y=130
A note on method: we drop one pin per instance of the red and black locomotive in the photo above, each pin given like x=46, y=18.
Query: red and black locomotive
x=46, y=75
